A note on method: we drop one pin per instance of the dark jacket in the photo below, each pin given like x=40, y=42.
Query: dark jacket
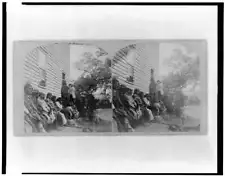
x=65, y=91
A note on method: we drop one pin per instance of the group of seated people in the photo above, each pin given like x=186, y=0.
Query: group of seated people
x=132, y=108
x=43, y=113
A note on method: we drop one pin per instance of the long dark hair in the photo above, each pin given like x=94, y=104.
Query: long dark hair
x=53, y=99
x=141, y=94
x=49, y=95
x=136, y=92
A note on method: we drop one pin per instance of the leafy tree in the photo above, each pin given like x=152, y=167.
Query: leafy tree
x=94, y=70
x=184, y=70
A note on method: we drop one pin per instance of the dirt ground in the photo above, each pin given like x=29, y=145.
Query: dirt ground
x=190, y=123
x=106, y=124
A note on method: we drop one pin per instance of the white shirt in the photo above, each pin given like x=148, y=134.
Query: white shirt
x=108, y=91
x=98, y=94
x=109, y=94
x=146, y=101
x=44, y=105
x=72, y=92
x=58, y=105
x=26, y=110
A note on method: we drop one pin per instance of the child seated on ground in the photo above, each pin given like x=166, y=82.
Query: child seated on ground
x=65, y=111
x=137, y=99
x=57, y=109
x=147, y=114
x=45, y=109
x=119, y=112
x=148, y=107
x=32, y=116
x=70, y=113
x=131, y=104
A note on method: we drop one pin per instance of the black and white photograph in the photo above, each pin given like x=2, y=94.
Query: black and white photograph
x=117, y=86
x=112, y=89
x=157, y=86
x=67, y=88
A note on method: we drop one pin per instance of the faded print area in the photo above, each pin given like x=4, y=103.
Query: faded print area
x=67, y=88
x=159, y=91
x=113, y=86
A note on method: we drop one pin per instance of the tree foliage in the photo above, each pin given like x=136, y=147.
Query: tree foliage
x=93, y=68
x=184, y=69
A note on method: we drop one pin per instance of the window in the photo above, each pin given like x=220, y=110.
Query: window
x=42, y=69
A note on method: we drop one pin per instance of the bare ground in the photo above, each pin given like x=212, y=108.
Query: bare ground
x=191, y=122
x=105, y=124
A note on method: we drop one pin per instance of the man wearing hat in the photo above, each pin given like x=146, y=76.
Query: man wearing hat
x=159, y=89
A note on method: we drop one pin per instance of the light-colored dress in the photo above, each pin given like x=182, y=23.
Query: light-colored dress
x=72, y=91
x=46, y=111
x=59, y=106
x=146, y=101
x=99, y=94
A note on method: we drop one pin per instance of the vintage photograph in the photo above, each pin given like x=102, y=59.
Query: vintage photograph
x=67, y=87
x=157, y=86
x=111, y=88
x=117, y=86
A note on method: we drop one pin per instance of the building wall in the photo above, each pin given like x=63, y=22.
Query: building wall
x=147, y=57
x=120, y=69
x=57, y=61
x=61, y=54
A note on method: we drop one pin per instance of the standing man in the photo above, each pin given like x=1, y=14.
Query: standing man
x=91, y=105
x=78, y=102
x=159, y=89
x=72, y=92
x=179, y=102
x=65, y=94
x=152, y=88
